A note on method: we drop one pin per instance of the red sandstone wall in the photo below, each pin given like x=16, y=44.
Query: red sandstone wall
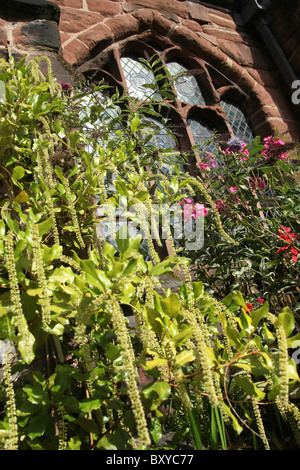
x=88, y=26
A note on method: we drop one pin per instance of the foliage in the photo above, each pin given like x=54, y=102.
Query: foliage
x=256, y=191
x=106, y=357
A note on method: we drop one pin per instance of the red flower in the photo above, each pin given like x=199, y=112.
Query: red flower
x=286, y=234
x=249, y=307
x=260, y=300
x=294, y=254
x=282, y=248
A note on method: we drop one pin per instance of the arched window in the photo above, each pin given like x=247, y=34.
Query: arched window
x=187, y=92
x=186, y=86
x=195, y=91
x=137, y=75
x=202, y=135
x=238, y=121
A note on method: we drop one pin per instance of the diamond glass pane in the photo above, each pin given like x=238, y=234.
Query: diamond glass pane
x=186, y=85
x=137, y=75
x=161, y=139
x=238, y=122
x=201, y=135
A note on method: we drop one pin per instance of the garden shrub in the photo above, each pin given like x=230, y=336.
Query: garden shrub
x=101, y=355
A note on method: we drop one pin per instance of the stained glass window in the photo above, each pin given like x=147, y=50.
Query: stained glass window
x=237, y=121
x=137, y=75
x=162, y=140
x=185, y=84
x=202, y=135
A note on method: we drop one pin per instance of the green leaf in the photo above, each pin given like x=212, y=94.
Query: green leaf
x=155, y=429
x=18, y=172
x=235, y=423
x=233, y=335
x=184, y=356
x=161, y=268
x=122, y=239
x=62, y=275
x=94, y=276
x=74, y=443
x=26, y=347
x=89, y=404
x=198, y=289
x=171, y=305
x=157, y=361
x=45, y=226
x=74, y=139
x=135, y=124
x=286, y=319
x=50, y=253
x=260, y=313
x=87, y=424
x=38, y=426
x=131, y=266
x=249, y=387
x=155, y=320
x=117, y=440
x=158, y=391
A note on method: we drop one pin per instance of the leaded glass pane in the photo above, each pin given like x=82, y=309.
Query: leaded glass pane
x=237, y=121
x=185, y=84
x=137, y=75
x=162, y=140
x=202, y=135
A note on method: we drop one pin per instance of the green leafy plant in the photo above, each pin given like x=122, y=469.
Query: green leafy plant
x=106, y=356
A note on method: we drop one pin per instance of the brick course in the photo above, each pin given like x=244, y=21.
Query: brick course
x=87, y=27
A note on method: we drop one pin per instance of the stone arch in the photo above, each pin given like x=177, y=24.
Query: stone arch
x=87, y=49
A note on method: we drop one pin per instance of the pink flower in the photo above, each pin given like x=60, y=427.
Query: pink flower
x=203, y=166
x=187, y=212
x=233, y=189
x=213, y=165
x=220, y=205
x=244, y=150
x=191, y=210
x=199, y=210
x=271, y=144
x=258, y=183
x=240, y=150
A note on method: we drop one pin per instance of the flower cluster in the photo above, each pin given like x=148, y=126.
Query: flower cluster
x=65, y=86
x=191, y=210
x=288, y=236
x=237, y=146
x=206, y=166
x=221, y=205
x=258, y=183
x=272, y=149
